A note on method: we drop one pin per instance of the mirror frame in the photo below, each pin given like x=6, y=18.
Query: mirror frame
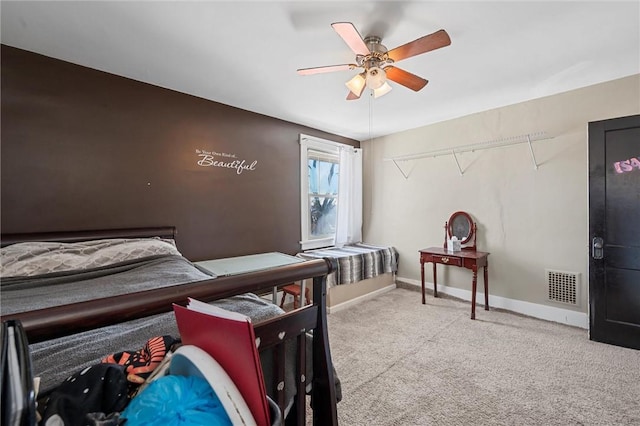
x=470, y=224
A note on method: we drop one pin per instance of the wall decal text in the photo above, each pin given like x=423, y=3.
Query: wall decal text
x=224, y=160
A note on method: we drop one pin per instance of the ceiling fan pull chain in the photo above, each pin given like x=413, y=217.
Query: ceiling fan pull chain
x=370, y=113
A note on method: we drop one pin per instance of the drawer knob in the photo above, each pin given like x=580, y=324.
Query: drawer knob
x=445, y=260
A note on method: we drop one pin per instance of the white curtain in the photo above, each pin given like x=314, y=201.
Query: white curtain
x=349, y=221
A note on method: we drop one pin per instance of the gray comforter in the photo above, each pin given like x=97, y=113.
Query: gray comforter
x=55, y=360
x=58, y=288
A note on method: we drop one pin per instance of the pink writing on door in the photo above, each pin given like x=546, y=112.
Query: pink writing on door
x=627, y=165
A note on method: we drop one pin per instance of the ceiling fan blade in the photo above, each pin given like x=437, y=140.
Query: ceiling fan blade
x=328, y=68
x=422, y=45
x=352, y=37
x=405, y=78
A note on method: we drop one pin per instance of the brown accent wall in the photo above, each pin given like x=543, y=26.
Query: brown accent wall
x=83, y=149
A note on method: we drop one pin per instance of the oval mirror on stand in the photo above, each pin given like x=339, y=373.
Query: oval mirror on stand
x=463, y=228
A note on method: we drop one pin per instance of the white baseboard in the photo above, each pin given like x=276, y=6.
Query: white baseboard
x=549, y=313
x=356, y=300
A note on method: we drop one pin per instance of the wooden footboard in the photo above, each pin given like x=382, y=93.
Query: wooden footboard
x=295, y=325
x=49, y=323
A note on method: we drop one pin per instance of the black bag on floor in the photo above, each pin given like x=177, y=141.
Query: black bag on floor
x=17, y=393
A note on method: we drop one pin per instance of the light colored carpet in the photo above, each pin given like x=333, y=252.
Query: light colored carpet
x=404, y=363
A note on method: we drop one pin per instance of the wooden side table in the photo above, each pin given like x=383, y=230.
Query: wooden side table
x=469, y=259
x=295, y=290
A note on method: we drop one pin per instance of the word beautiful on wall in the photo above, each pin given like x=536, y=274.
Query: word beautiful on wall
x=627, y=165
x=224, y=160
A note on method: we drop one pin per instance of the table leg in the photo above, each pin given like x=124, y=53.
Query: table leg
x=486, y=288
x=422, y=276
x=473, y=292
x=303, y=289
x=435, y=281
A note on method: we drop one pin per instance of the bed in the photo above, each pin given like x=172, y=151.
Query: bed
x=367, y=269
x=131, y=300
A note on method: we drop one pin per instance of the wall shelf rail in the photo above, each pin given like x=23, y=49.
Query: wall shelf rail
x=454, y=151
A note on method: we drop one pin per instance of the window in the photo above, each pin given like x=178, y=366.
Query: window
x=320, y=168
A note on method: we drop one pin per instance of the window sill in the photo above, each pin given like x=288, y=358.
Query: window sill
x=315, y=244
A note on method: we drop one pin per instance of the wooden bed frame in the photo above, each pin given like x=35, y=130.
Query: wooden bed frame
x=44, y=324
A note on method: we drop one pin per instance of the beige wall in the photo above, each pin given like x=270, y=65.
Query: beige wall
x=529, y=220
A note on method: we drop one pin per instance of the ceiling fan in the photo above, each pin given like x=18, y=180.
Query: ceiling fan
x=377, y=62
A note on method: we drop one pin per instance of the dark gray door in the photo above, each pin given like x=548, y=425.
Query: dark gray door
x=614, y=228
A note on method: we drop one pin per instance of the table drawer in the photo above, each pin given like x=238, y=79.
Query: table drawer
x=448, y=260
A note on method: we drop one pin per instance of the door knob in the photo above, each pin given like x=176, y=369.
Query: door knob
x=597, y=248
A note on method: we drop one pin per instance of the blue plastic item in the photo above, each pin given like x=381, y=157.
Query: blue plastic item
x=176, y=400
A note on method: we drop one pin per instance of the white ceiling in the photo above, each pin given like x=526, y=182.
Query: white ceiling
x=245, y=54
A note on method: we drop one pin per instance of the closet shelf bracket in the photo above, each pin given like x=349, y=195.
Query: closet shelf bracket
x=406, y=176
x=533, y=156
x=455, y=157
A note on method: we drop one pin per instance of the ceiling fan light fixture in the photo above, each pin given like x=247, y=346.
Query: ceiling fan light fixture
x=382, y=90
x=376, y=77
x=356, y=84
